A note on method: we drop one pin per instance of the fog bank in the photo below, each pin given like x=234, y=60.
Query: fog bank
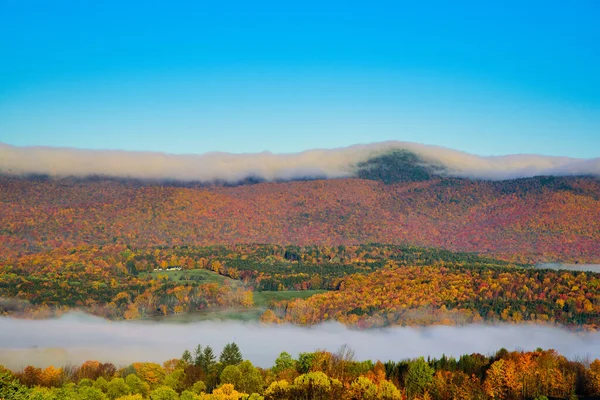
x=570, y=267
x=318, y=163
x=75, y=338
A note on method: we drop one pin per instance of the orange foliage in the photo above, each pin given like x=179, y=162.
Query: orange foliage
x=440, y=295
x=532, y=219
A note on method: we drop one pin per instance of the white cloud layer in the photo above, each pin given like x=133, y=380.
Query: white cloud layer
x=75, y=338
x=330, y=163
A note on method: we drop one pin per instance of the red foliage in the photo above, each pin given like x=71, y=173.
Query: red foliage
x=538, y=219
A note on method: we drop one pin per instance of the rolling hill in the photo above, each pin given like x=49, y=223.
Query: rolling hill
x=395, y=198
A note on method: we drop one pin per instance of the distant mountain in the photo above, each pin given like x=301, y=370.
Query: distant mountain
x=399, y=166
x=396, y=198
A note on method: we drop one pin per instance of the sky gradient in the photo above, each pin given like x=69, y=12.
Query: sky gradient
x=193, y=77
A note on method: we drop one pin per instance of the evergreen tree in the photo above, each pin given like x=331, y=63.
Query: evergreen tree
x=186, y=357
x=198, y=355
x=231, y=355
x=418, y=377
x=208, y=359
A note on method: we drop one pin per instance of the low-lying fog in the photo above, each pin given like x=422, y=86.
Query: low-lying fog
x=570, y=267
x=75, y=338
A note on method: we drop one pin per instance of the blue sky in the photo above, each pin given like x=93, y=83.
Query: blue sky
x=198, y=76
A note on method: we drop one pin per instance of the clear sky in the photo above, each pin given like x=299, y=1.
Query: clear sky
x=285, y=76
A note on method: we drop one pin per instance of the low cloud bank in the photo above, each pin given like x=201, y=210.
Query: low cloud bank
x=570, y=267
x=318, y=163
x=75, y=338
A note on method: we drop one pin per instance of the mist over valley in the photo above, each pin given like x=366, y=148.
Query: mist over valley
x=75, y=338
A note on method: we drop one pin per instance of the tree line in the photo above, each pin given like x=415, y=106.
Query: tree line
x=199, y=374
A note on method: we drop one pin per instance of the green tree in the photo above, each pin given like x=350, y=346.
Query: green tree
x=10, y=388
x=85, y=382
x=283, y=362
x=117, y=388
x=164, y=393
x=316, y=386
x=101, y=384
x=91, y=393
x=186, y=358
x=231, y=355
x=252, y=380
x=245, y=377
x=231, y=374
x=187, y=395
x=37, y=393
x=176, y=380
x=363, y=388
x=198, y=387
x=137, y=385
x=136, y=396
x=305, y=361
x=197, y=355
x=388, y=391
x=62, y=393
x=418, y=377
x=208, y=359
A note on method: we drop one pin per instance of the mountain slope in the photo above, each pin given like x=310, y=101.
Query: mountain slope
x=533, y=219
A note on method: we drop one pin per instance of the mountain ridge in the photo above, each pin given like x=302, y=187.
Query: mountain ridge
x=540, y=219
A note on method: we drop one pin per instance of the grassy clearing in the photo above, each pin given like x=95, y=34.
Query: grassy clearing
x=261, y=300
x=200, y=276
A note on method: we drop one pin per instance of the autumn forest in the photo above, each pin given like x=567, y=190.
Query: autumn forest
x=373, y=251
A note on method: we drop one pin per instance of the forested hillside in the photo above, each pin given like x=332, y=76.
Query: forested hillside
x=456, y=295
x=362, y=286
x=525, y=220
x=118, y=282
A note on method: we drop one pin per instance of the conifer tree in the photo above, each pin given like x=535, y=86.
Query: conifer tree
x=231, y=355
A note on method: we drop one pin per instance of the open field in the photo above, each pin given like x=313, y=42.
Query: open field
x=194, y=275
x=261, y=301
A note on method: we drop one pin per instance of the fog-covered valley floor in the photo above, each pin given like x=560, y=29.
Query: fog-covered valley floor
x=570, y=267
x=75, y=338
